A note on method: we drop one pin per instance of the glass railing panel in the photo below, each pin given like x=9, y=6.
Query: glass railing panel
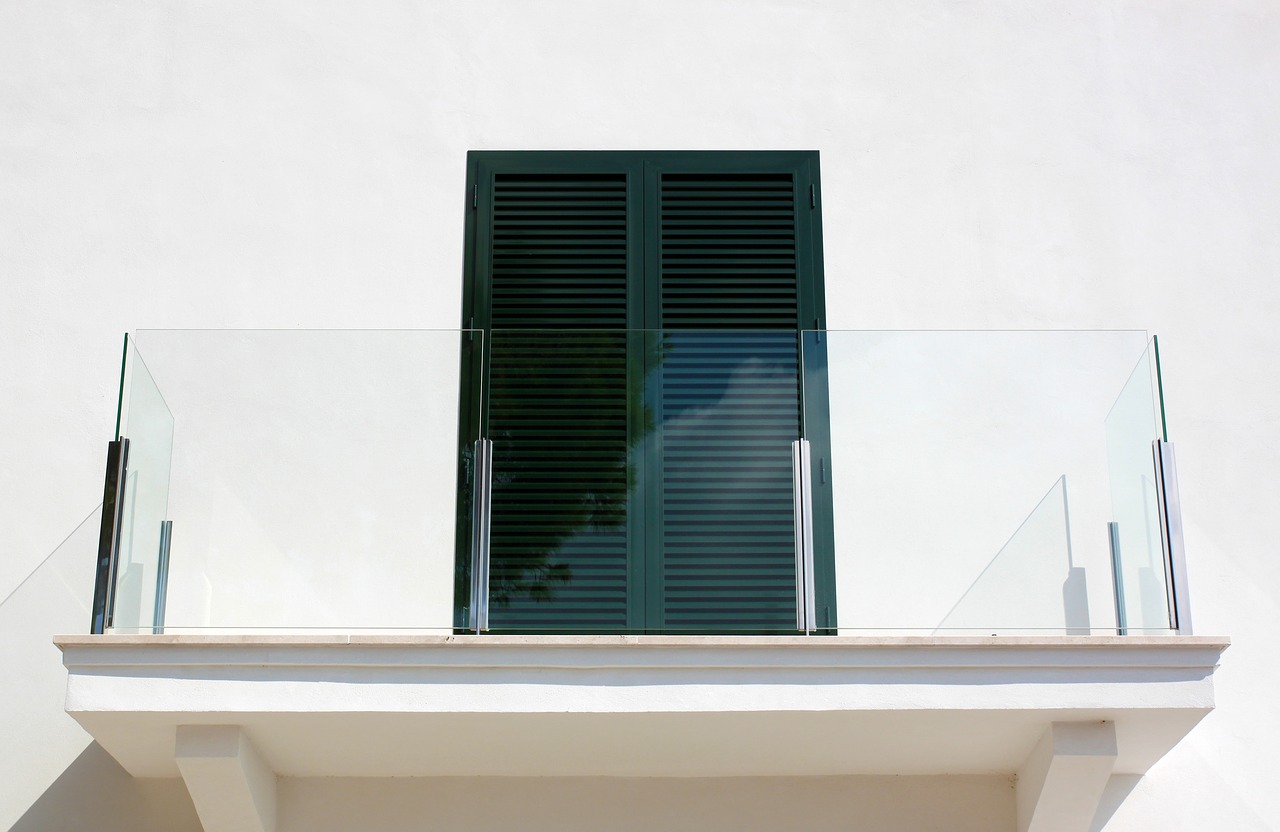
x=565, y=418
x=643, y=481
x=146, y=421
x=1134, y=422
x=727, y=406
x=933, y=451
x=1030, y=585
x=316, y=478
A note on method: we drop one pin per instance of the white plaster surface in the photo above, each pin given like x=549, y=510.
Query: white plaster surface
x=1060, y=784
x=985, y=165
x=232, y=788
x=549, y=804
x=33, y=681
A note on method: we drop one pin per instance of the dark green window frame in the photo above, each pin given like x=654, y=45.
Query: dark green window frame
x=644, y=174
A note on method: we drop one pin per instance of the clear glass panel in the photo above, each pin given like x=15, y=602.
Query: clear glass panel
x=940, y=445
x=1134, y=423
x=1030, y=585
x=642, y=481
x=315, y=478
x=728, y=410
x=566, y=420
x=145, y=420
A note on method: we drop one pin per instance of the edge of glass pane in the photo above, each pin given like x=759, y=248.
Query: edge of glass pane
x=976, y=331
x=124, y=363
x=1164, y=425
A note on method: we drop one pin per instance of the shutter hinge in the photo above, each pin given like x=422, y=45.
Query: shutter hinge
x=475, y=196
x=813, y=196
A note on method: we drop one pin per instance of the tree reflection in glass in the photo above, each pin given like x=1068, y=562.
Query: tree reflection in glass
x=566, y=415
x=601, y=522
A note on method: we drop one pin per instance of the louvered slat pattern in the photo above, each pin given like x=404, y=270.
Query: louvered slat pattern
x=729, y=401
x=558, y=402
x=728, y=251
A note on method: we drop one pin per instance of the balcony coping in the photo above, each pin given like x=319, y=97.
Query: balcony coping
x=490, y=705
x=472, y=640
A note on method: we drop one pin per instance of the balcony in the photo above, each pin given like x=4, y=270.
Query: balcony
x=673, y=553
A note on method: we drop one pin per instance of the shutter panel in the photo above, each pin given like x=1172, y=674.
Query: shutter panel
x=727, y=251
x=730, y=399
x=557, y=404
x=642, y=481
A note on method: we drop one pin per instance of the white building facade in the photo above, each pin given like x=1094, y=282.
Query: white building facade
x=287, y=207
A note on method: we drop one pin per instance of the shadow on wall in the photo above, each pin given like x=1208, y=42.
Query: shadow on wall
x=1117, y=789
x=51, y=781
x=96, y=793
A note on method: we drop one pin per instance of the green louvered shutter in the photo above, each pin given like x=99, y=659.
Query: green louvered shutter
x=558, y=399
x=642, y=385
x=728, y=300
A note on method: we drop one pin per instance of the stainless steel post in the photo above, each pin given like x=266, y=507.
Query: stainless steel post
x=806, y=597
x=162, y=576
x=482, y=484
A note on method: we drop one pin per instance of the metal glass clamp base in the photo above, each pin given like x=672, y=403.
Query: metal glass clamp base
x=478, y=618
x=806, y=603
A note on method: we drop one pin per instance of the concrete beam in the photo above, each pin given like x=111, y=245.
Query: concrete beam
x=434, y=705
x=1061, y=782
x=233, y=788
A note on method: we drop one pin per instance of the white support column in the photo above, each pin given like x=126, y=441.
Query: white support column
x=233, y=788
x=1061, y=781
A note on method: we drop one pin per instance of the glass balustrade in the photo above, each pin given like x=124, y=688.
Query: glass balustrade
x=145, y=419
x=640, y=481
x=976, y=479
x=1142, y=600
x=311, y=479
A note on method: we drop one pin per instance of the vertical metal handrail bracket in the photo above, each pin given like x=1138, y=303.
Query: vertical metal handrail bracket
x=104, y=583
x=1171, y=536
x=1117, y=578
x=482, y=485
x=162, y=576
x=806, y=613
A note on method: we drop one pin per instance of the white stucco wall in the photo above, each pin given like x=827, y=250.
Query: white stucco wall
x=909, y=804
x=985, y=165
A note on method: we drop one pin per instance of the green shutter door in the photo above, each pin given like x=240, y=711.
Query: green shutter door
x=642, y=481
x=728, y=301
x=557, y=400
